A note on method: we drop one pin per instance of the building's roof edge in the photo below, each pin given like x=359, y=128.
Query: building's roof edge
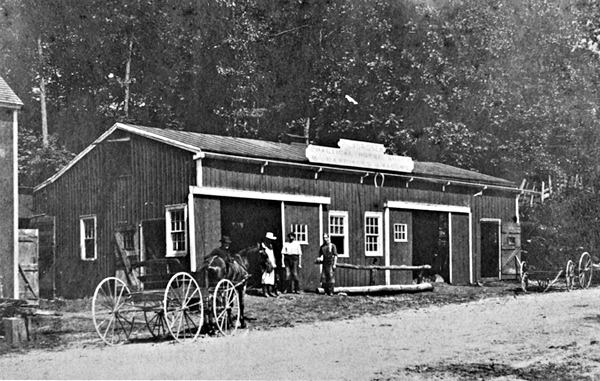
x=199, y=143
x=7, y=96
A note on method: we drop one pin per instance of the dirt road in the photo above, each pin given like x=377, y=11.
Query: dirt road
x=534, y=336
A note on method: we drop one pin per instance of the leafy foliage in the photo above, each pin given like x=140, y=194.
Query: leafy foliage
x=505, y=87
x=36, y=162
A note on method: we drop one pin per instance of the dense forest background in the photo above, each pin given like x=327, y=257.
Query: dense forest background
x=504, y=87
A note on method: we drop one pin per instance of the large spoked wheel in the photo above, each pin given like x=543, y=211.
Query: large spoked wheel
x=570, y=275
x=585, y=270
x=113, y=311
x=524, y=276
x=226, y=307
x=183, y=307
x=154, y=315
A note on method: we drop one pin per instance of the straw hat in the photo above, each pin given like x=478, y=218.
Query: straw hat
x=271, y=236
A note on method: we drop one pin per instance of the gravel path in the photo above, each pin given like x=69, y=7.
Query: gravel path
x=509, y=338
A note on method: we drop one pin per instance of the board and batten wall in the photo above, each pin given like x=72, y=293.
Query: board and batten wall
x=160, y=175
x=348, y=194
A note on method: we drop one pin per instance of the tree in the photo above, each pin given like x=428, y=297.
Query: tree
x=39, y=160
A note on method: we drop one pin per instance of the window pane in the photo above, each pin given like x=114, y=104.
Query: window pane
x=88, y=238
x=90, y=249
x=128, y=240
x=301, y=232
x=177, y=230
x=339, y=244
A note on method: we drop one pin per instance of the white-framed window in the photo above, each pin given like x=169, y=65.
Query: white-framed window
x=373, y=234
x=338, y=232
x=87, y=238
x=301, y=232
x=176, y=221
x=400, y=233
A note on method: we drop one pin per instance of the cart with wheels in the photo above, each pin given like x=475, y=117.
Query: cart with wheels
x=545, y=279
x=170, y=300
x=580, y=276
x=585, y=270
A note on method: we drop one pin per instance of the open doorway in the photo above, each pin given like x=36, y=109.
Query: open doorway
x=490, y=248
x=246, y=221
x=431, y=243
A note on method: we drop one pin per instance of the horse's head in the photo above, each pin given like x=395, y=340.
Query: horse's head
x=243, y=256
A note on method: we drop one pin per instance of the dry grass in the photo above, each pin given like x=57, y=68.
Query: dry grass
x=72, y=322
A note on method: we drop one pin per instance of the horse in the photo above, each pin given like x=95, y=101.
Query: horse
x=215, y=268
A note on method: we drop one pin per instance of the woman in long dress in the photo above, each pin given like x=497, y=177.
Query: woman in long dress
x=268, y=267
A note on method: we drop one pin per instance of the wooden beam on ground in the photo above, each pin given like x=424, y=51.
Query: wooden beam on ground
x=372, y=289
x=374, y=267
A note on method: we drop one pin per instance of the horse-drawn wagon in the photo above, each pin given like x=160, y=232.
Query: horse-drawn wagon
x=171, y=299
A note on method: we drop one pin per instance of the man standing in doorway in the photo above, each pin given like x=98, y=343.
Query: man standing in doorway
x=328, y=257
x=291, y=252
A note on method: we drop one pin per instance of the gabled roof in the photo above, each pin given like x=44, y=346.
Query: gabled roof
x=7, y=97
x=202, y=144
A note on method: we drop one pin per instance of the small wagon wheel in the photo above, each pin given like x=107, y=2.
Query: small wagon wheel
x=524, y=276
x=585, y=270
x=570, y=275
x=183, y=307
x=113, y=311
x=154, y=315
x=226, y=307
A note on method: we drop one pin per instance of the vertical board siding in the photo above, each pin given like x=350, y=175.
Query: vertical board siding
x=348, y=194
x=160, y=175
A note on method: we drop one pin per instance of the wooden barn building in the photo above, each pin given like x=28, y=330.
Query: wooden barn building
x=150, y=193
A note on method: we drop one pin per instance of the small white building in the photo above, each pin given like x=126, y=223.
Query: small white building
x=10, y=104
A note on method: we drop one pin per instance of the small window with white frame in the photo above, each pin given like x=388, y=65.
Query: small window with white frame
x=301, y=232
x=400, y=233
x=87, y=238
x=338, y=232
x=176, y=221
x=373, y=234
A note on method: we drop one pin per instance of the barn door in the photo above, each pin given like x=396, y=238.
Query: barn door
x=246, y=221
x=305, y=218
x=460, y=246
x=46, y=260
x=430, y=243
x=490, y=248
x=28, y=264
x=401, y=241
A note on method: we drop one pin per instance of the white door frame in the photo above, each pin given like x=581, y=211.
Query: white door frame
x=435, y=208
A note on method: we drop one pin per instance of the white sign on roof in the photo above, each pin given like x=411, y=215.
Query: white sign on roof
x=353, y=153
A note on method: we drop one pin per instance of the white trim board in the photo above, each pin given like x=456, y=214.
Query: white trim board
x=432, y=207
x=237, y=193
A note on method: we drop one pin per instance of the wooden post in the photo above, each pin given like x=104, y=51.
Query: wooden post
x=14, y=330
x=373, y=278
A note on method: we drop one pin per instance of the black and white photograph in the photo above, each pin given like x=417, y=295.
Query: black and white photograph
x=300, y=189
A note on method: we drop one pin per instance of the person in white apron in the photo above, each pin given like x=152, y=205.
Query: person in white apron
x=268, y=267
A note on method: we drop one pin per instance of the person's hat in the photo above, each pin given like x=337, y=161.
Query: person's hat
x=225, y=239
x=270, y=236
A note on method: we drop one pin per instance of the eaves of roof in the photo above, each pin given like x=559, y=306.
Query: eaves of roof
x=234, y=147
x=8, y=98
